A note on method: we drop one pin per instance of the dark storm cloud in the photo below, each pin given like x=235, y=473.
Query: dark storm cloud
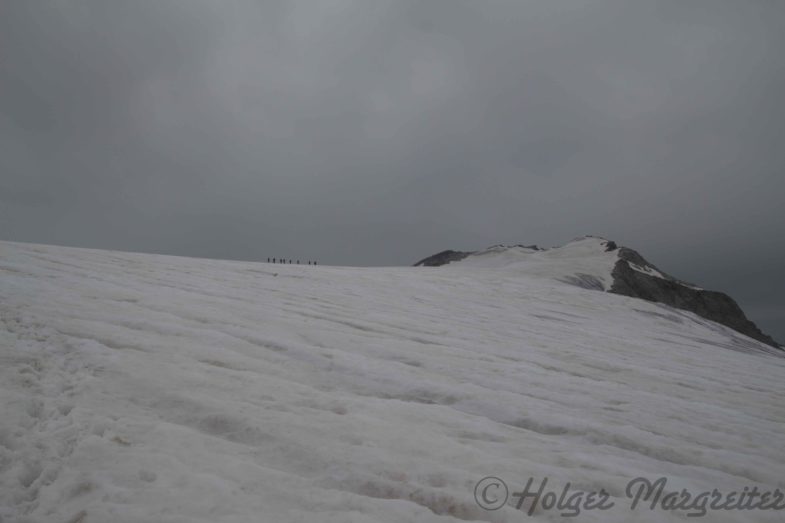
x=379, y=132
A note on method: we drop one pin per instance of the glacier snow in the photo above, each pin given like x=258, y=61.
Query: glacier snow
x=149, y=388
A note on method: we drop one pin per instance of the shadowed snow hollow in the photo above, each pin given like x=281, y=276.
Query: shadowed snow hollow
x=141, y=388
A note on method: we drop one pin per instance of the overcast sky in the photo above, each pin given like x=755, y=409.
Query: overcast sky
x=379, y=132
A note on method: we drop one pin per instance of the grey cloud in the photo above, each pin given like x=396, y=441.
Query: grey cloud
x=378, y=132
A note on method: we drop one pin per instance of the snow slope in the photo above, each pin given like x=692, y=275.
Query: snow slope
x=142, y=388
x=583, y=261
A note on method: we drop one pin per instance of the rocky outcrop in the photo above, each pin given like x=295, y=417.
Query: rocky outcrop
x=442, y=258
x=662, y=288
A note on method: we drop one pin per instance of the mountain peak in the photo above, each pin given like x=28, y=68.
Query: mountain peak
x=596, y=263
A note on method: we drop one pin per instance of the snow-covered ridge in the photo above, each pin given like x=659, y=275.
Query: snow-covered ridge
x=592, y=256
x=596, y=263
x=141, y=388
x=587, y=258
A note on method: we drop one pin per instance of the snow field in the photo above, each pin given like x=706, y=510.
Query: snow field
x=153, y=388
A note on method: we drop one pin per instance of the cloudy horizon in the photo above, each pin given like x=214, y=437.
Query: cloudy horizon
x=380, y=132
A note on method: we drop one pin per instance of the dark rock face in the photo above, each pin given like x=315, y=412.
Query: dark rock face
x=442, y=258
x=712, y=305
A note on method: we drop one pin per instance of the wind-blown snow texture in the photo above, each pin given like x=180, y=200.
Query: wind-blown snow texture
x=142, y=388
